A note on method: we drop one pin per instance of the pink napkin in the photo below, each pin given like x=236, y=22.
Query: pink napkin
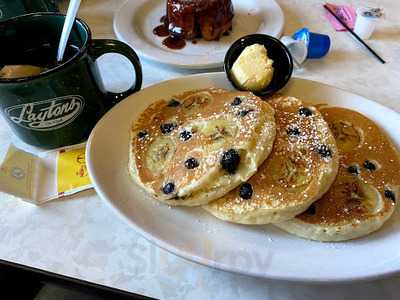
x=346, y=12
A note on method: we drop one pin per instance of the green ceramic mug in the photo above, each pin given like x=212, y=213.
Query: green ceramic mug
x=62, y=104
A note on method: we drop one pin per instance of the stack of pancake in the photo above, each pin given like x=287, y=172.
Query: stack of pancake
x=322, y=173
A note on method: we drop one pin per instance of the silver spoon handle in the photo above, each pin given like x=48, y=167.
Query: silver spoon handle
x=69, y=21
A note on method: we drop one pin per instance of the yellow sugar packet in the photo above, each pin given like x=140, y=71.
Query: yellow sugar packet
x=46, y=176
x=72, y=174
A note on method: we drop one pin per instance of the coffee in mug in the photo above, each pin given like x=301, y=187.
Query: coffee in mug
x=50, y=104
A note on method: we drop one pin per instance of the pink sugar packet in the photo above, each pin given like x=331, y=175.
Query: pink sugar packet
x=346, y=13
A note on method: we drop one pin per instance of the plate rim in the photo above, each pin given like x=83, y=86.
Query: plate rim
x=209, y=262
x=156, y=59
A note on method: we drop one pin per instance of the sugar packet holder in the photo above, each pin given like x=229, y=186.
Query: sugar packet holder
x=44, y=177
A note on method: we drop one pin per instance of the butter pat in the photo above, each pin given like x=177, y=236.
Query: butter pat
x=253, y=68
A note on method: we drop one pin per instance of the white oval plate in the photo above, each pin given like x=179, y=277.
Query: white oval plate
x=262, y=251
x=135, y=20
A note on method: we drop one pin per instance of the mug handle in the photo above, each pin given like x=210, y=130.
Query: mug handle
x=103, y=46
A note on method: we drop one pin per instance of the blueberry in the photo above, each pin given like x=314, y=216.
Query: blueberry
x=173, y=103
x=305, y=112
x=185, y=135
x=293, y=131
x=191, y=163
x=390, y=195
x=353, y=169
x=230, y=161
x=244, y=113
x=324, y=151
x=142, y=134
x=311, y=210
x=246, y=191
x=369, y=165
x=167, y=127
x=237, y=101
x=168, y=188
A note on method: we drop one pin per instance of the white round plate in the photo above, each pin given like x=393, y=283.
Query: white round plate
x=135, y=20
x=262, y=251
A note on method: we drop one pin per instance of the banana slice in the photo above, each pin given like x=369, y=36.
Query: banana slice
x=196, y=102
x=290, y=171
x=217, y=133
x=370, y=198
x=347, y=136
x=160, y=154
x=358, y=196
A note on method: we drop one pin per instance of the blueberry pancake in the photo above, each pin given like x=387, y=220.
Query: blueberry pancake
x=299, y=170
x=364, y=193
x=194, y=148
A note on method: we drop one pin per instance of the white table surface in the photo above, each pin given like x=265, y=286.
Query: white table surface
x=82, y=238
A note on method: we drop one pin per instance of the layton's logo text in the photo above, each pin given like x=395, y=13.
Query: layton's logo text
x=48, y=114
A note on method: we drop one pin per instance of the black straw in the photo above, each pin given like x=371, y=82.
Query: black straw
x=354, y=34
